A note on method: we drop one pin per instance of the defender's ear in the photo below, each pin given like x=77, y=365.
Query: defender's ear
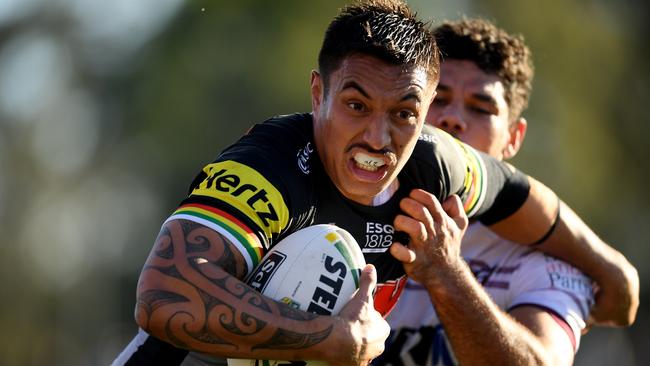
x=316, y=91
x=517, y=134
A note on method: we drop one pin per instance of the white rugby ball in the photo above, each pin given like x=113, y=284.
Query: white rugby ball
x=315, y=269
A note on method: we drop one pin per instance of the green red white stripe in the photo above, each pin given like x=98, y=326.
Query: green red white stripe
x=233, y=229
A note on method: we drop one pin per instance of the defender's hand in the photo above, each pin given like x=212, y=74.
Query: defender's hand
x=617, y=295
x=435, y=233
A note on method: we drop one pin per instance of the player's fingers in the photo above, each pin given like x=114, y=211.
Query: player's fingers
x=454, y=208
x=402, y=253
x=367, y=283
x=415, y=229
x=418, y=211
x=430, y=202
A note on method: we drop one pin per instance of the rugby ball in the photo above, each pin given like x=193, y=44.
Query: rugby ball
x=315, y=269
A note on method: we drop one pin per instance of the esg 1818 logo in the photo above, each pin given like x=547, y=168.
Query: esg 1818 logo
x=378, y=237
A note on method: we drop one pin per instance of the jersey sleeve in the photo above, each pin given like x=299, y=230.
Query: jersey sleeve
x=555, y=286
x=490, y=190
x=254, y=190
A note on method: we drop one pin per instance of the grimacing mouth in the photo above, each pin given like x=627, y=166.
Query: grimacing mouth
x=367, y=162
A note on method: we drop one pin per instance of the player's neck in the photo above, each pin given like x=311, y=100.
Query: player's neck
x=386, y=194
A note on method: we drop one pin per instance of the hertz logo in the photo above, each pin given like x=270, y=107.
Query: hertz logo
x=247, y=190
x=231, y=183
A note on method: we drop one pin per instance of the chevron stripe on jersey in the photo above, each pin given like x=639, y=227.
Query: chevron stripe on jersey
x=235, y=230
x=475, y=187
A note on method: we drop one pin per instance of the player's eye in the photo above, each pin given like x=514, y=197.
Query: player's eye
x=406, y=116
x=479, y=110
x=356, y=106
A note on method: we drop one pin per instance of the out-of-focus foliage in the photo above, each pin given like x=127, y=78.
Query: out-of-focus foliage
x=108, y=109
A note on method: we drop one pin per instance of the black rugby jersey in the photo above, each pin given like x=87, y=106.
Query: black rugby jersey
x=271, y=183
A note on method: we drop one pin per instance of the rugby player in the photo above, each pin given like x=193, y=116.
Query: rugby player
x=531, y=308
x=350, y=162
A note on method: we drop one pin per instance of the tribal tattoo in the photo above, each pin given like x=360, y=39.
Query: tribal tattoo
x=191, y=288
x=284, y=339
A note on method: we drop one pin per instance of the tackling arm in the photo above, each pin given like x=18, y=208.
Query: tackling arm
x=523, y=210
x=572, y=240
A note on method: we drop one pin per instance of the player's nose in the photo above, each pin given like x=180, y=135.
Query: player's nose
x=377, y=133
x=451, y=121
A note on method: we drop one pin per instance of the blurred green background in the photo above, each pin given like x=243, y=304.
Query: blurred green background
x=109, y=108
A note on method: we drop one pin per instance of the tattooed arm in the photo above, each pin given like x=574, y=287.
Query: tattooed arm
x=190, y=294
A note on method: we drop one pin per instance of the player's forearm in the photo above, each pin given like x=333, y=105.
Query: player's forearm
x=479, y=332
x=574, y=242
x=232, y=321
x=186, y=299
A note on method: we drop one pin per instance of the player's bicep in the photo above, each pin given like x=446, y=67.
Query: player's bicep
x=184, y=244
x=187, y=260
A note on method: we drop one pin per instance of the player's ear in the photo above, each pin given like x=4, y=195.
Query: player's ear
x=517, y=131
x=316, y=91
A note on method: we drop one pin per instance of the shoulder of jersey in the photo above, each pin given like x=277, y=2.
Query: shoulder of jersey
x=427, y=143
x=315, y=269
x=288, y=134
x=295, y=126
x=429, y=134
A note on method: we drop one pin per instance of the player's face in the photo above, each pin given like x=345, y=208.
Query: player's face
x=471, y=105
x=367, y=124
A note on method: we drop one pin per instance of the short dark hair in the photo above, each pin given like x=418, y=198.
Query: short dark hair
x=386, y=29
x=494, y=51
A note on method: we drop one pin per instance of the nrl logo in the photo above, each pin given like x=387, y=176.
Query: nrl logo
x=303, y=158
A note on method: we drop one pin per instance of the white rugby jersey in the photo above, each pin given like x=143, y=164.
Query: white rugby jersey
x=511, y=274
